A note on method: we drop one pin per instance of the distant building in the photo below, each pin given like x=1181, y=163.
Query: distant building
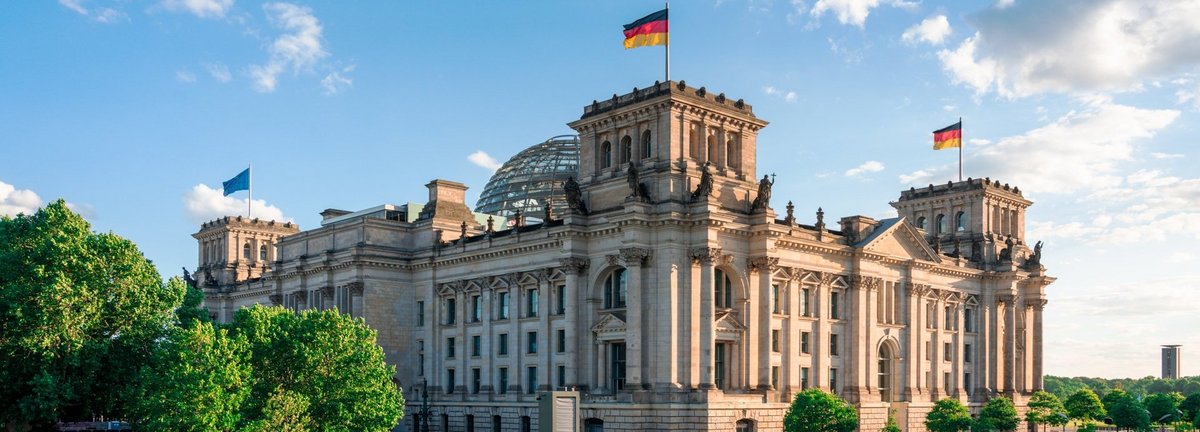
x=1170, y=361
x=662, y=284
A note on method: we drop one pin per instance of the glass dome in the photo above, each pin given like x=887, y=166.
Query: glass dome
x=526, y=180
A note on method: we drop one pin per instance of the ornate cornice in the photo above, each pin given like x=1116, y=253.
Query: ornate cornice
x=705, y=255
x=573, y=264
x=1038, y=304
x=762, y=263
x=1005, y=298
x=869, y=283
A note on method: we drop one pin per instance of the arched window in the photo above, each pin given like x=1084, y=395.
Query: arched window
x=921, y=222
x=246, y=251
x=606, y=155
x=645, y=144
x=885, y=373
x=731, y=150
x=614, y=289
x=744, y=425
x=960, y=221
x=262, y=252
x=626, y=149
x=723, y=290
x=941, y=223
x=593, y=425
x=712, y=149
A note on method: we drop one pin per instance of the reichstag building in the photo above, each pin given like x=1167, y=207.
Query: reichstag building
x=644, y=264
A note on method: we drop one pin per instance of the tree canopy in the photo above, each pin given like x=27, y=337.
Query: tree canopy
x=998, y=414
x=1163, y=407
x=1190, y=406
x=815, y=410
x=79, y=314
x=1045, y=408
x=1126, y=412
x=948, y=415
x=1084, y=405
x=1063, y=387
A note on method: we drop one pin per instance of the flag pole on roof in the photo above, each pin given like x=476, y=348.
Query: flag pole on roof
x=650, y=30
x=950, y=137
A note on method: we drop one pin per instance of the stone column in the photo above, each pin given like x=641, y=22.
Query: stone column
x=1038, y=306
x=462, y=343
x=602, y=367
x=485, y=343
x=935, y=350
x=987, y=335
x=820, y=338
x=791, y=356
x=857, y=345
x=916, y=330
x=705, y=257
x=762, y=266
x=959, y=346
x=633, y=258
x=1009, y=340
x=573, y=268
x=544, y=332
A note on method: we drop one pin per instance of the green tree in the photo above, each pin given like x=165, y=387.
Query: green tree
x=815, y=410
x=197, y=382
x=1085, y=406
x=192, y=310
x=998, y=414
x=1162, y=405
x=79, y=312
x=948, y=415
x=284, y=411
x=325, y=359
x=1190, y=406
x=1126, y=412
x=1111, y=398
x=891, y=425
x=1045, y=408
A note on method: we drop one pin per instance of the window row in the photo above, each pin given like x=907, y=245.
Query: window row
x=502, y=344
x=625, y=151
x=940, y=221
x=949, y=317
x=475, y=385
x=502, y=310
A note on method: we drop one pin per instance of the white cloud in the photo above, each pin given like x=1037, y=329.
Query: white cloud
x=770, y=90
x=199, y=8
x=949, y=108
x=185, y=76
x=932, y=30
x=866, y=167
x=787, y=95
x=1076, y=46
x=299, y=48
x=15, y=201
x=1001, y=4
x=203, y=204
x=1079, y=151
x=335, y=82
x=219, y=72
x=1158, y=155
x=99, y=14
x=852, y=12
x=484, y=160
x=790, y=97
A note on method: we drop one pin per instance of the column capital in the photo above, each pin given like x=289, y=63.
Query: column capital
x=762, y=263
x=573, y=264
x=1005, y=298
x=705, y=255
x=919, y=290
x=1038, y=304
x=869, y=283
x=629, y=257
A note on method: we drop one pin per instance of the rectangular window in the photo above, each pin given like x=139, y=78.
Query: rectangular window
x=969, y=320
x=617, y=365
x=805, y=302
x=562, y=376
x=775, y=376
x=531, y=303
x=775, y=340
x=833, y=380
x=929, y=316
x=476, y=308
x=531, y=342
x=946, y=382
x=450, y=347
x=503, y=377
x=450, y=382
x=833, y=344
x=531, y=379
x=421, y=357
x=476, y=346
x=928, y=350
x=833, y=306
x=967, y=353
x=967, y=382
x=561, y=300
x=503, y=348
x=803, y=378
x=562, y=340
x=502, y=302
x=421, y=313
x=804, y=338
x=949, y=321
x=475, y=376
x=450, y=311
x=775, y=300
x=946, y=352
x=719, y=366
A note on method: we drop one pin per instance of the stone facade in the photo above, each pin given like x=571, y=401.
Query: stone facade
x=679, y=300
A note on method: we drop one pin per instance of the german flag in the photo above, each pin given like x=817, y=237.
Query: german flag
x=648, y=31
x=948, y=137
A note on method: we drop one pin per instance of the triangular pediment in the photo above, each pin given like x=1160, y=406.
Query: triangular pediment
x=896, y=238
x=727, y=322
x=609, y=324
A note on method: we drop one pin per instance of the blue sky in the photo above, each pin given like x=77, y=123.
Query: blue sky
x=135, y=111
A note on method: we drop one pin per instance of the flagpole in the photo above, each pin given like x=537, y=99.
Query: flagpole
x=250, y=189
x=961, y=142
x=668, y=44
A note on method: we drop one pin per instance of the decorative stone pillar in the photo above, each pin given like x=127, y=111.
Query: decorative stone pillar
x=858, y=345
x=1038, y=306
x=544, y=332
x=960, y=336
x=705, y=256
x=573, y=268
x=485, y=344
x=820, y=340
x=1007, y=337
x=632, y=259
x=916, y=335
x=762, y=267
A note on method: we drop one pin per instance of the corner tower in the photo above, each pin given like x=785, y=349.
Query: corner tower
x=234, y=249
x=670, y=131
x=977, y=216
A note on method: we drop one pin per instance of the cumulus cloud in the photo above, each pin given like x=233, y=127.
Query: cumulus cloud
x=1080, y=151
x=219, y=72
x=854, y=12
x=484, y=160
x=203, y=204
x=866, y=167
x=199, y=8
x=15, y=201
x=1158, y=155
x=1075, y=46
x=932, y=30
x=99, y=14
x=298, y=48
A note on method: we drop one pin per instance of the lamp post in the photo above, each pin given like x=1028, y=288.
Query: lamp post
x=423, y=422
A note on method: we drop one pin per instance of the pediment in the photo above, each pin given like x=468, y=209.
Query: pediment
x=896, y=238
x=609, y=324
x=728, y=323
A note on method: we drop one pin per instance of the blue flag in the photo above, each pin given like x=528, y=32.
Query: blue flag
x=239, y=182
